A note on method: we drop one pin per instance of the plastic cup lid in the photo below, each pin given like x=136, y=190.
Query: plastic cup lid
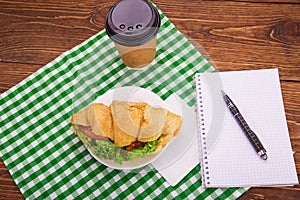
x=132, y=22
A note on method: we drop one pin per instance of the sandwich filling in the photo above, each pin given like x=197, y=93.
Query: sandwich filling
x=104, y=148
x=125, y=130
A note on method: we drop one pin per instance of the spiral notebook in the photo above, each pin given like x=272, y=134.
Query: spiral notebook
x=227, y=157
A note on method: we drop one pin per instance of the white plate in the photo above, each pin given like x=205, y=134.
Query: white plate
x=179, y=144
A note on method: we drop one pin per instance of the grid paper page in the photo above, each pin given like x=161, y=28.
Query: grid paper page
x=229, y=160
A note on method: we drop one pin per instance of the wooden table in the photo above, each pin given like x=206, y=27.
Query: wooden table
x=238, y=35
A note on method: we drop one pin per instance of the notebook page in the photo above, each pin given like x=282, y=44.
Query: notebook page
x=231, y=161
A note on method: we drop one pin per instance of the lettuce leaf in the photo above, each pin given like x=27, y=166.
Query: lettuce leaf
x=107, y=150
x=149, y=147
x=86, y=140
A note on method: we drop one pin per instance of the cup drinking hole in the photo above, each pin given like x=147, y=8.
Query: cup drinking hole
x=122, y=26
x=138, y=26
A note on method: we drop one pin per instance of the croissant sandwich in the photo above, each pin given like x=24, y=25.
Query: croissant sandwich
x=125, y=130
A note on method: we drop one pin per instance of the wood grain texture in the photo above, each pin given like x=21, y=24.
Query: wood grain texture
x=237, y=35
x=8, y=188
x=234, y=35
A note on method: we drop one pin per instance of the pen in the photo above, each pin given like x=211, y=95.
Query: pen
x=252, y=137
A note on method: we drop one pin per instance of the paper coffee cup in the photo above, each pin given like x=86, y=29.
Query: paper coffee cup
x=133, y=26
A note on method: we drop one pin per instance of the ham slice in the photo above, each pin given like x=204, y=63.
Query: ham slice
x=87, y=130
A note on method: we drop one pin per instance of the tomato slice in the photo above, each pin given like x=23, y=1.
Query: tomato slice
x=86, y=130
x=135, y=145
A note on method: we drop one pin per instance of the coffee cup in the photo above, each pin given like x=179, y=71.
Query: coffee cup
x=133, y=27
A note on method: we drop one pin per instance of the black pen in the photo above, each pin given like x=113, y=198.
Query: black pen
x=257, y=145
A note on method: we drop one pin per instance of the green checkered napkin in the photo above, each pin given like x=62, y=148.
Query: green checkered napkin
x=48, y=161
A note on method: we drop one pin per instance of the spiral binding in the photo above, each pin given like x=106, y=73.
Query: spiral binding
x=202, y=131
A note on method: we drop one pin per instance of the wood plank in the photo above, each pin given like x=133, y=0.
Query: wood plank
x=291, y=99
x=269, y=40
x=266, y=1
x=8, y=188
x=53, y=27
x=286, y=193
x=232, y=35
x=13, y=73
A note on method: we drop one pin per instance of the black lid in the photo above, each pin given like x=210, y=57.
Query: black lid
x=132, y=22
